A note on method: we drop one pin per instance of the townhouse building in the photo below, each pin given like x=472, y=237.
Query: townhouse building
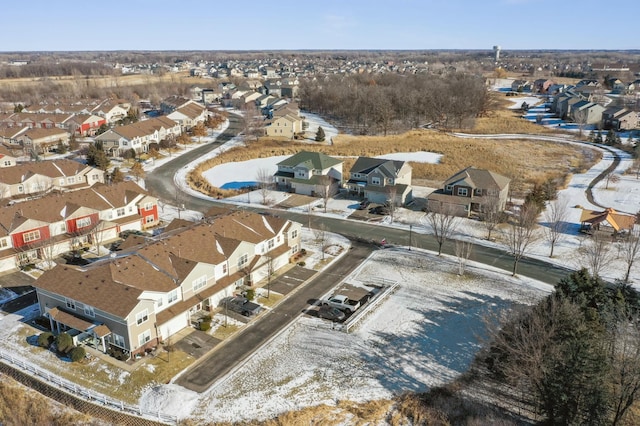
x=148, y=292
x=138, y=136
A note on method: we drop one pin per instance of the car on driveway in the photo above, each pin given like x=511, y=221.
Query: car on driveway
x=383, y=210
x=331, y=313
x=241, y=305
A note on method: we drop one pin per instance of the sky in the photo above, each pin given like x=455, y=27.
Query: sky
x=78, y=25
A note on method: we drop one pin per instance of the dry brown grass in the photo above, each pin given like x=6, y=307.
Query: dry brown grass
x=525, y=161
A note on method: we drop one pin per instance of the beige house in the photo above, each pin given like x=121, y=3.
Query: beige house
x=127, y=304
x=7, y=159
x=42, y=140
x=189, y=115
x=286, y=126
x=37, y=178
x=138, y=135
x=467, y=191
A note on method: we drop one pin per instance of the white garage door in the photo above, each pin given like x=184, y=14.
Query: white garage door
x=174, y=325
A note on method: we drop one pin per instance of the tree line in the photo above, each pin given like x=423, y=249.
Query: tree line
x=56, y=69
x=389, y=103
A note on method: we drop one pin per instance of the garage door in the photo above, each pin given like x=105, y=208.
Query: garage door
x=174, y=325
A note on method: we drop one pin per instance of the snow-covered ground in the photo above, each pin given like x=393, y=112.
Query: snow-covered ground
x=424, y=335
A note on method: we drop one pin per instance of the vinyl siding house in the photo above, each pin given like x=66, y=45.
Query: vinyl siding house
x=38, y=178
x=618, y=118
x=44, y=228
x=466, y=191
x=586, y=112
x=138, y=135
x=380, y=180
x=286, y=126
x=306, y=173
x=149, y=292
x=7, y=159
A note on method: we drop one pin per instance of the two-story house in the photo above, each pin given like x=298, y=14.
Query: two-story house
x=138, y=135
x=381, y=180
x=189, y=115
x=40, y=177
x=44, y=228
x=149, y=292
x=309, y=173
x=7, y=158
x=467, y=191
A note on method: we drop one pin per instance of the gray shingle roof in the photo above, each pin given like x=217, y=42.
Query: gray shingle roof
x=312, y=160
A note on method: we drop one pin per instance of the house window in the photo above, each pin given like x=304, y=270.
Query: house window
x=463, y=192
x=294, y=249
x=199, y=283
x=294, y=233
x=71, y=179
x=270, y=244
x=120, y=212
x=88, y=311
x=61, y=182
x=117, y=340
x=278, y=238
x=7, y=163
x=3, y=243
x=95, y=176
x=142, y=317
x=63, y=227
x=173, y=296
x=130, y=209
x=27, y=237
x=224, y=268
x=375, y=181
x=148, y=206
x=83, y=222
x=160, y=302
x=21, y=189
x=242, y=260
x=71, y=304
x=149, y=219
x=144, y=337
x=448, y=188
x=477, y=191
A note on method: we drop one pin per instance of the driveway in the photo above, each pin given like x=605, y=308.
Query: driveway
x=197, y=343
x=291, y=279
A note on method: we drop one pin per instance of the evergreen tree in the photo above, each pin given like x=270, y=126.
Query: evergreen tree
x=611, y=138
x=592, y=136
x=320, y=136
x=599, y=136
x=96, y=156
x=61, y=148
x=116, y=176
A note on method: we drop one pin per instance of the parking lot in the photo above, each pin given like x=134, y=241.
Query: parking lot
x=291, y=279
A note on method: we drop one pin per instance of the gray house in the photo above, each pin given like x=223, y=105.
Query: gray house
x=380, y=180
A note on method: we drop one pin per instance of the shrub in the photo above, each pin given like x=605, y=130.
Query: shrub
x=303, y=251
x=45, y=339
x=205, y=325
x=301, y=263
x=64, y=342
x=77, y=353
x=251, y=294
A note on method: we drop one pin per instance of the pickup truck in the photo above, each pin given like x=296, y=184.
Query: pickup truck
x=341, y=302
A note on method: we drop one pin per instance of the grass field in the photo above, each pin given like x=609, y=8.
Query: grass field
x=526, y=162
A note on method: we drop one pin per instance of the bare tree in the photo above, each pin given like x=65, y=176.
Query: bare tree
x=463, y=252
x=625, y=372
x=443, y=221
x=137, y=171
x=630, y=249
x=580, y=118
x=596, y=254
x=611, y=177
x=520, y=233
x=491, y=213
x=265, y=183
x=556, y=217
x=327, y=188
x=392, y=194
x=321, y=238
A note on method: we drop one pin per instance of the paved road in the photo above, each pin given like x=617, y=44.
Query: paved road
x=160, y=181
x=221, y=361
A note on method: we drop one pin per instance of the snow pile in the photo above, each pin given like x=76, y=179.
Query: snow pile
x=170, y=399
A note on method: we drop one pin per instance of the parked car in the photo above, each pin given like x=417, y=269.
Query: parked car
x=341, y=302
x=331, y=313
x=242, y=305
x=384, y=210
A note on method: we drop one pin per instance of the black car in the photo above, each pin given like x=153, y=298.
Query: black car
x=242, y=305
x=330, y=313
x=384, y=210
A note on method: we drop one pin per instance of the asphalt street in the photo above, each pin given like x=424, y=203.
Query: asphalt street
x=234, y=351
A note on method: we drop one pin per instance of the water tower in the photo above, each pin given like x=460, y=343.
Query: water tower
x=496, y=53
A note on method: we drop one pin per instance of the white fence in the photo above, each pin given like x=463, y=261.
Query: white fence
x=73, y=389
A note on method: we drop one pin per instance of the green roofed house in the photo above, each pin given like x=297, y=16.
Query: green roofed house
x=309, y=173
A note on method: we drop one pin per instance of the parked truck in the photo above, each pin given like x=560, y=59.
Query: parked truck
x=341, y=302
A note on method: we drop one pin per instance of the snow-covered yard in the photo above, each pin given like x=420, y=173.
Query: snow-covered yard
x=425, y=334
